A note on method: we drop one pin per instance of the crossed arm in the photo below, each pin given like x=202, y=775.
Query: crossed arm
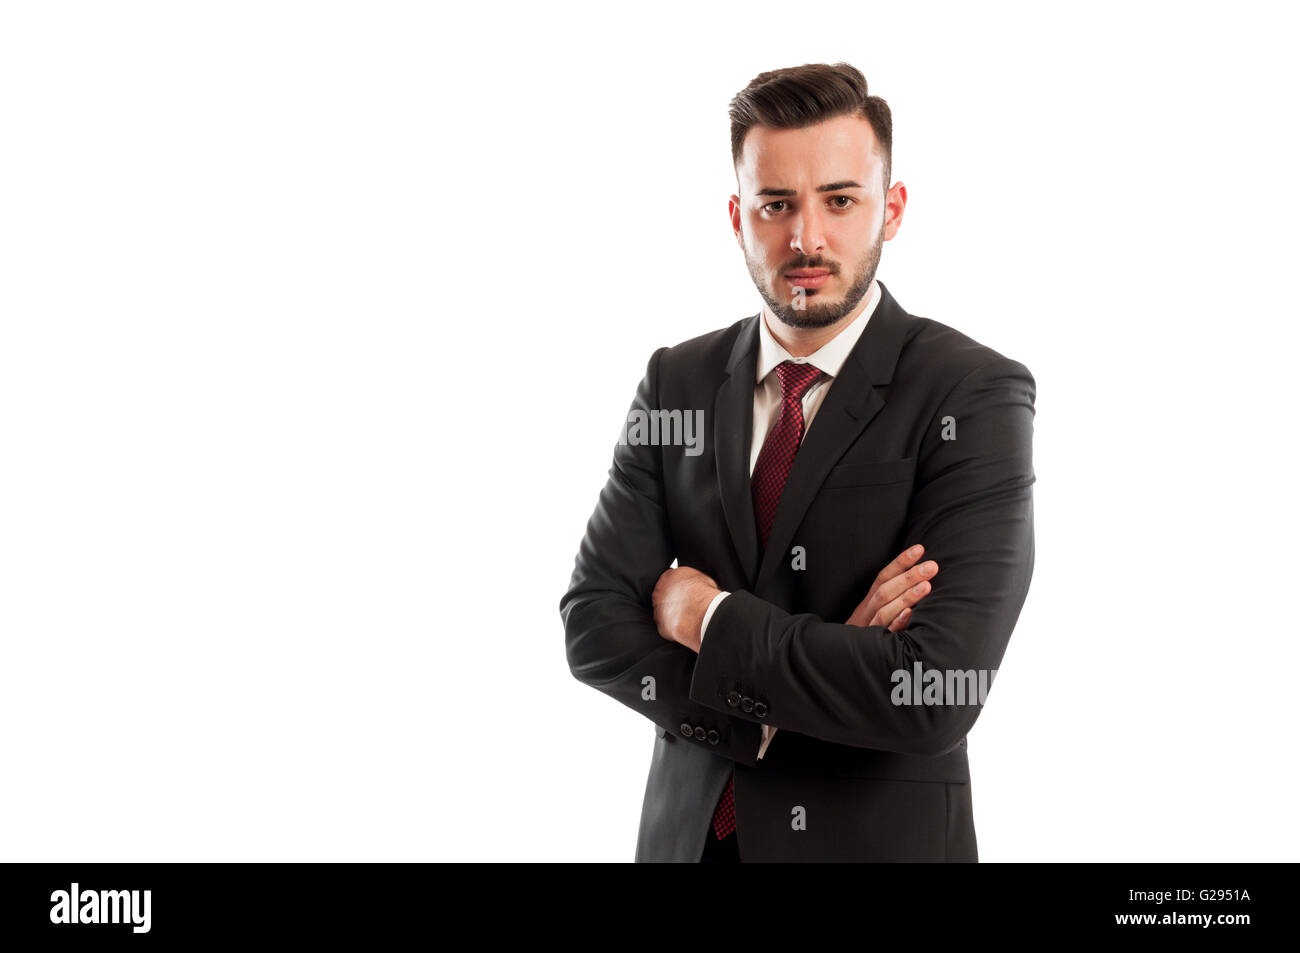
x=682, y=596
x=972, y=504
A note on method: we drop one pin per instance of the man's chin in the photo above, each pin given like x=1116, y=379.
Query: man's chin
x=810, y=317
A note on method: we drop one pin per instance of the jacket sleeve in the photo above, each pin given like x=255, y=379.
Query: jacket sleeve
x=611, y=640
x=972, y=508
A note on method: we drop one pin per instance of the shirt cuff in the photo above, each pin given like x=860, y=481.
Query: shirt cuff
x=708, y=613
x=768, y=732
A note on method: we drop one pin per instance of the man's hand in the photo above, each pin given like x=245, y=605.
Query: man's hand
x=898, y=587
x=680, y=599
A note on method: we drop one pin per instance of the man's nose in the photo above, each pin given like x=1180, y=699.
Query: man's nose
x=809, y=236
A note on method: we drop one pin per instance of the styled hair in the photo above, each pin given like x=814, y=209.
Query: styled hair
x=800, y=96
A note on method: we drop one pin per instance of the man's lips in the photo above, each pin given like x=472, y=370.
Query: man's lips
x=808, y=277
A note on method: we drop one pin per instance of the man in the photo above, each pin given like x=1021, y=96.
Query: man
x=782, y=666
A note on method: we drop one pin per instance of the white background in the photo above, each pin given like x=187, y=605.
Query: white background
x=320, y=321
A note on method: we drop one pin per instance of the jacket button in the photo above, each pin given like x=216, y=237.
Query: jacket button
x=686, y=730
x=714, y=737
x=700, y=733
x=747, y=704
x=733, y=699
x=759, y=709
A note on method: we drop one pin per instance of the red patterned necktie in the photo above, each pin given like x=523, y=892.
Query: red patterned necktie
x=766, y=483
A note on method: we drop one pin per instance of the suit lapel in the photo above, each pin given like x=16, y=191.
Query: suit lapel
x=855, y=397
x=733, y=421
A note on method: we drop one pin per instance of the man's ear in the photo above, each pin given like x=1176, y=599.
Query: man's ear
x=733, y=210
x=895, y=202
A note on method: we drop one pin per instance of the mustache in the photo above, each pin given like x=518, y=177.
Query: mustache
x=830, y=266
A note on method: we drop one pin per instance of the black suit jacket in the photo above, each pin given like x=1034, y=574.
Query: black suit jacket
x=924, y=436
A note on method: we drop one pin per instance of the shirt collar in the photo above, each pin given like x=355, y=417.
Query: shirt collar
x=830, y=357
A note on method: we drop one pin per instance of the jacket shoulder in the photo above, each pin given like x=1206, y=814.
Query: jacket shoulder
x=946, y=356
x=705, y=355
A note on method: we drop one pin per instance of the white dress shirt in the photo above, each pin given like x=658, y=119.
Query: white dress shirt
x=829, y=358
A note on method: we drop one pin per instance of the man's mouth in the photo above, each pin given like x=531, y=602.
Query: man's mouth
x=808, y=277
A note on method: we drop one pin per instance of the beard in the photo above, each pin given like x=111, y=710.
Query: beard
x=815, y=313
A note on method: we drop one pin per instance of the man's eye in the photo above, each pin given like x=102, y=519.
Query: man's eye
x=846, y=200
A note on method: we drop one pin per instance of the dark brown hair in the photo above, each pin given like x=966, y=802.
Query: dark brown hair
x=800, y=96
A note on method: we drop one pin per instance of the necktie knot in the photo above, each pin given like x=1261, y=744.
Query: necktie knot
x=796, y=379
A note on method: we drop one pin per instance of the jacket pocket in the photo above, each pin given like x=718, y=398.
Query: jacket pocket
x=870, y=474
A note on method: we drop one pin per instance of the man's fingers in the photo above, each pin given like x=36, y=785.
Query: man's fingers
x=882, y=595
x=901, y=563
x=890, y=614
x=903, y=584
x=900, y=584
x=900, y=620
x=910, y=597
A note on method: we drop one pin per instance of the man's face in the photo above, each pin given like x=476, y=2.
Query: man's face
x=812, y=215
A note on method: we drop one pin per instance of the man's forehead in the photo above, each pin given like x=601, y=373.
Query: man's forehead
x=808, y=158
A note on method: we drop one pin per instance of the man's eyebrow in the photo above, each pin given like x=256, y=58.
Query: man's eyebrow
x=832, y=187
